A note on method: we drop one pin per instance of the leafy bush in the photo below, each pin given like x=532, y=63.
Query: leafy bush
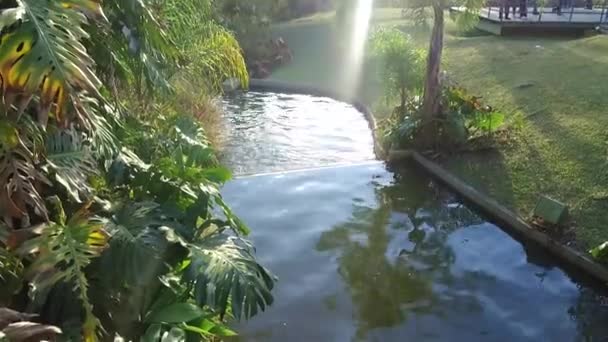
x=399, y=67
x=399, y=129
x=464, y=118
x=397, y=63
x=112, y=216
x=478, y=118
x=600, y=253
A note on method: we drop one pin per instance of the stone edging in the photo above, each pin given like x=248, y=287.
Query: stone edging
x=507, y=218
x=286, y=87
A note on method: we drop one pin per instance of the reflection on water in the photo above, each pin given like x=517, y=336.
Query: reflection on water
x=365, y=256
x=275, y=132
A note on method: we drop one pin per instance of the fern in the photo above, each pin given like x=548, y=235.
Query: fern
x=223, y=270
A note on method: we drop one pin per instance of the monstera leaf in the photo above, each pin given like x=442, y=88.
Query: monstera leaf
x=71, y=162
x=224, y=267
x=63, y=252
x=41, y=54
x=19, y=179
x=138, y=244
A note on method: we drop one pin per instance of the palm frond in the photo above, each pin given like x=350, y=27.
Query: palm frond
x=223, y=270
x=71, y=162
x=141, y=51
x=218, y=56
x=41, y=53
x=208, y=49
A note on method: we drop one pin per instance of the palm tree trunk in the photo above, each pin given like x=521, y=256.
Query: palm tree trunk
x=431, y=104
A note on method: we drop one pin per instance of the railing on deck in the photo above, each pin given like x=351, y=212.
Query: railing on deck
x=598, y=15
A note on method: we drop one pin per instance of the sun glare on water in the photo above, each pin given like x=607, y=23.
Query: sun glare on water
x=357, y=38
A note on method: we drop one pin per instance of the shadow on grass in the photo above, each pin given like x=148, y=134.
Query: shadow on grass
x=485, y=171
x=565, y=142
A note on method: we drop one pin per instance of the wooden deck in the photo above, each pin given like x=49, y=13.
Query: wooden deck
x=572, y=21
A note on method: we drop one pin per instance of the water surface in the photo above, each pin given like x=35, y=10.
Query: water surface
x=276, y=132
x=364, y=255
x=367, y=254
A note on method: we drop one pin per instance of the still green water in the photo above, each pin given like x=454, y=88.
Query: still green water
x=364, y=253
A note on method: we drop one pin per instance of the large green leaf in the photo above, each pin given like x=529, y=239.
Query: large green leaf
x=71, y=162
x=176, y=313
x=137, y=246
x=152, y=333
x=489, y=122
x=207, y=327
x=600, y=253
x=41, y=54
x=223, y=270
x=65, y=249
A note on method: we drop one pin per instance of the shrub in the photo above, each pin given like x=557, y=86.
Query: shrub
x=464, y=117
x=398, y=65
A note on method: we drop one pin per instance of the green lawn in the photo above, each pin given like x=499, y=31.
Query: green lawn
x=558, y=86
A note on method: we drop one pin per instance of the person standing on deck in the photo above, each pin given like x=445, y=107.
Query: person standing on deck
x=505, y=7
x=535, y=7
x=558, y=9
x=523, y=8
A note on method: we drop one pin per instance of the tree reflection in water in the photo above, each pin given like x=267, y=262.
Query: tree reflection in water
x=393, y=254
x=398, y=264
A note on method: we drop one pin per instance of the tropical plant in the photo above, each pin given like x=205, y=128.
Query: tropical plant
x=479, y=119
x=432, y=98
x=400, y=128
x=206, y=48
x=116, y=222
x=398, y=63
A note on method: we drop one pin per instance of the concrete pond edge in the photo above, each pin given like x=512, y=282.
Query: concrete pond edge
x=509, y=221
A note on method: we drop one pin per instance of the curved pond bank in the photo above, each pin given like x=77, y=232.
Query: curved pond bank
x=366, y=253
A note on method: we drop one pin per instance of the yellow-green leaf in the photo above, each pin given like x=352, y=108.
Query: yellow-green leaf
x=41, y=54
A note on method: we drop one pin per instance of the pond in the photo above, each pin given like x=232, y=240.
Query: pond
x=364, y=253
x=276, y=132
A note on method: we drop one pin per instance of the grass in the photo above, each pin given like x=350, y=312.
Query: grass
x=555, y=87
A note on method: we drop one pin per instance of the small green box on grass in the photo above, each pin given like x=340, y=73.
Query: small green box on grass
x=551, y=211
